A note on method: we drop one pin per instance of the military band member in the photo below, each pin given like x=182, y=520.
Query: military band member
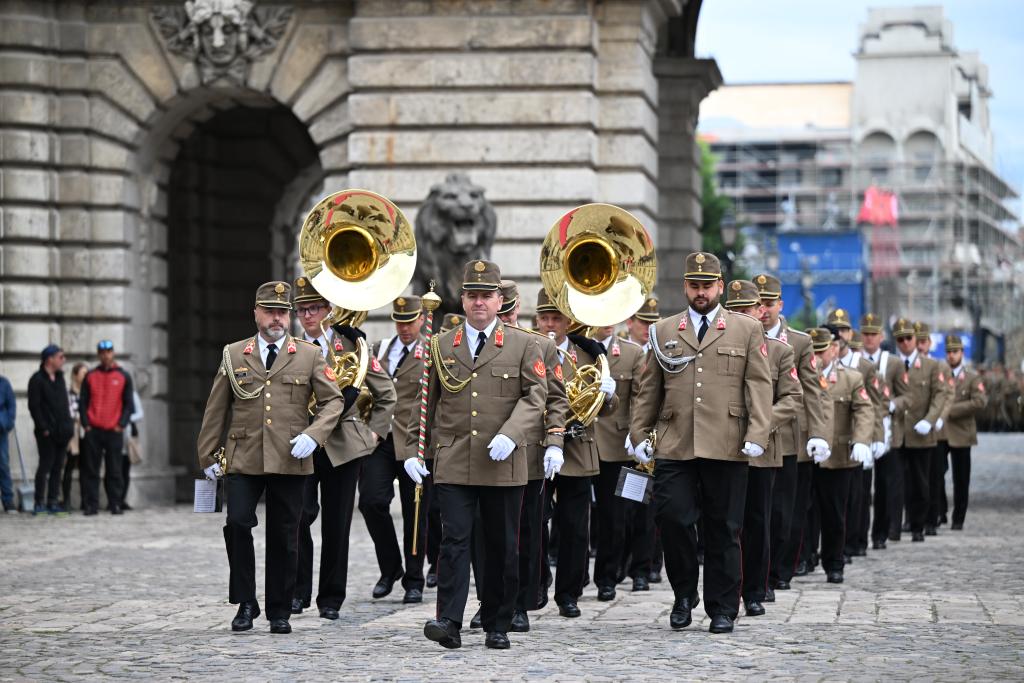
x=572, y=483
x=401, y=356
x=488, y=389
x=969, y=398
x=938, y=465
x=708, y=393
x=259, y=399
x=871, y=331
x=792, y=490
x=787, y=400
x=853, y=418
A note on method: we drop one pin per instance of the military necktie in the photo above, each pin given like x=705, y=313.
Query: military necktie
x=703, y=328
x=271, y=356
x=906, y=363
x=481, y=340
x=405, y=352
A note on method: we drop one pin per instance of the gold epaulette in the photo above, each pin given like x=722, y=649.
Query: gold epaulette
x=303, y=341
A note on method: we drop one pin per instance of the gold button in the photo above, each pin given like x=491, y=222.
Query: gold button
x=474, y=413
x=698, y=385
x=698, y=399
x=474, y=374
x=700, y=369
x=700, y=355
x=269, y=420
x=268, y=409
x=474, y=394
x=268, y=382
x=505, y=376
x=474, y=432
x=267, y=394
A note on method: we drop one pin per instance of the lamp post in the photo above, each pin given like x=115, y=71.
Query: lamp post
x=728, y=230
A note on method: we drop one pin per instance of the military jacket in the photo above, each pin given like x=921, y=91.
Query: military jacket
x=947, y=377
x=721, y=398
x=787, y=401
x=407, y=383
x=969, y=399
x=812, y=420
x=505, y=392
x=581, y=458
x=919, y=394
x=258, y=430
x=626, y=365
x=556, y=413
x=879, y=404
x=853, y=415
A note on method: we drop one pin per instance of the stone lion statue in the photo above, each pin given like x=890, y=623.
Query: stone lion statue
x=456, y=224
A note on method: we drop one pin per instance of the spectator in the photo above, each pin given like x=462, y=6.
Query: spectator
x=7, y=412
x=132, y=450
x=75, y=445
x=48, y=404
x=104, y=407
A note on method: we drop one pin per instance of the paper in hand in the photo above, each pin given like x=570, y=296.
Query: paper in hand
x=635, y=485
x=205, y=496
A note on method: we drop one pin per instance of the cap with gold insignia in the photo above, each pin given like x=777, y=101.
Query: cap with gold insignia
x=702, y=266
x=769, y=287
x=451, y=321
x=954, y=342
x=304, y=291
x=405, y=309
x=870, y=324
x=922, y=331
x=857, y=341
x=648, y=313
x=481, y=276
x=510, y=296
x=742, y=294
x=821, y=338
x=902, y=328
x=839, y=319
x=274, y=294
x=544, y=304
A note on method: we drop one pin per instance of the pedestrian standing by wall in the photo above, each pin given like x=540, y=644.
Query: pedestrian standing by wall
x=72, y=462
x=48, y=404
x=132, y=447
x=8, y=409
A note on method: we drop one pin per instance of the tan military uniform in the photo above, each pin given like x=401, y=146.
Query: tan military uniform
x=626, y=362
x=813, y=419
x=969, y=399
x=853, y=416
x=407, y=384
x=581, y=455
x=873, y=385
x=919, y=394
x=556, y=413
x=787, y=402
x=946, y=376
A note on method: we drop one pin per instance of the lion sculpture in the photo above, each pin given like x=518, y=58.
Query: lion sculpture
x=456, y=224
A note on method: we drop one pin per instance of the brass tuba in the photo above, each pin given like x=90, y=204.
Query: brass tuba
x=359, y=252
x=598, y=266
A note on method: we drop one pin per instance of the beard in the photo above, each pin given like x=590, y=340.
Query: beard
x=272, y=333
x=703, y=303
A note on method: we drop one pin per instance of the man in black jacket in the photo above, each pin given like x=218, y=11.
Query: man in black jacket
x=48, y=404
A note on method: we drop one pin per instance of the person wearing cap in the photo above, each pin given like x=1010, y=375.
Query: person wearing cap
x=969, y=398
x=787, y=400
x=638, y=324
x=707, y=394
x=337, y=463
x=260, y=401
x=572, y=482
x=402, y=357
x=51, y=416
x=853, y=418
x=105, y=406
x=487, y=391
x=918, y=399
x=872, y=333
x=450, y=322
x=937, y=502
x=791, y=493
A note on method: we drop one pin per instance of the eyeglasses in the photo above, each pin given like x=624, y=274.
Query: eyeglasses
x=903, y=339
x=105, y=345
x=309, y=310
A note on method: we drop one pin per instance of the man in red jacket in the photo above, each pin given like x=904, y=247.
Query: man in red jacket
x=105, y=406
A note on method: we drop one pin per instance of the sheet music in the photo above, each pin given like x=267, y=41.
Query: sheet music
x=634, y=486
x=205, y=496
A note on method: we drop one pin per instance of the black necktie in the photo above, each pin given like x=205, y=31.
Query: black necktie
x=405, y=352
x=481, y=340
x=906, y=364
x=703, y=328
x=271, y=356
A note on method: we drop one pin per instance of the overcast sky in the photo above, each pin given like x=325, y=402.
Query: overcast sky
x=814, y=40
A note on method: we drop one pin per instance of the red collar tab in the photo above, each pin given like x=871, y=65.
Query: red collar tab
x=720, y=324
x=291, y=347
x=682, y=322
x=499, y=337
x=457, y=341
x=249, y=347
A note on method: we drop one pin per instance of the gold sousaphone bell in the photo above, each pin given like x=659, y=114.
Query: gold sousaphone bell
x=358, y=251
x=598, y=266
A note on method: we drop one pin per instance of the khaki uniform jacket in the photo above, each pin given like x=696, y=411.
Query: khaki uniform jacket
x=581, y=459
x=506, y=392
x=947, y=378
x=787, y=401
x=969, y=399
x=853, y=416
x=722, y=398
x=556, y=413
x=626, y=365
x=258, y=431
x=407, y=384
x=869, y=374
x=813, y=419
x=919, y=395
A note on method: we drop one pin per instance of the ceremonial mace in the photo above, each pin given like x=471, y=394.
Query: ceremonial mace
x=430, y=303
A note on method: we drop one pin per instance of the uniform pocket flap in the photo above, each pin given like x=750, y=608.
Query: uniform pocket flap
x=237, y=433
x=731, y=351
x=505, y=372
x=296, y=379
x=736, y=410
x=244, y=378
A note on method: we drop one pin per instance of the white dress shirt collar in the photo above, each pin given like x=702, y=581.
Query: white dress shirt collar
x=695, y=318
x=264, y=346
x=323, y=340
x=909, y=359
x=472, y=334
x=774, y=332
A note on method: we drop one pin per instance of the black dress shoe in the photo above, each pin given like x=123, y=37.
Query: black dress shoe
x=917, y=537
x=861, y=552
x=126, y=506
x=496, y=640
x=957, y=526
x=834, y=577
x=930, y=531
x=412, y=595
x=878, y=545
x=894, y=537
x=769, y=595
x=905, y=527
x=116, y=510
x=847, y=558
x=753, y=608
x=943, y=520
x=569, y=609
x=280, y=625
x=654, y=577
x=247, y=611
x=297, y=605
x=606, y=593
x=720, y=624
x=89, y=512
x=640, y=584
x=520, y=622
x=385, y=585
x=328, y=613
x=801, y=568
x=700, y=557
x=432, y=578
x=443, y=632
x=680, y=615
x=476, y=621
x=781, y=585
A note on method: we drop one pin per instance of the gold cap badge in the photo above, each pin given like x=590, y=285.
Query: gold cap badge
x=761, y=279
x=279, y=288
x=736, y=286
x=301, y=282
x=840, y=313
x=479, y=267
x=400, y=301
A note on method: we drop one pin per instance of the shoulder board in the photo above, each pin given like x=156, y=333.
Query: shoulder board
x=626, y=340
x=303, y=341
x=745, y=315
x=527, y=330
x=790, y=330
x=777, y=341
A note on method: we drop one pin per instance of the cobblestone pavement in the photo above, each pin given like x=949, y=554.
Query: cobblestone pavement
x=143, y=595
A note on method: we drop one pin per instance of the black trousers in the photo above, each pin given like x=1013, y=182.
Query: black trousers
x=573, y=524
x=864, y=522
x=918, y=465
x=832, y=490
x=106, y=448
x=781, y=527
x=500, y=509
x=812, y=531
x=71, y=462
x=126, y=475
x=432, y=534
x=310, y=511
x=376, y=490
x=724, y=488
x=854, y=507
x=936, y=483
x=48, y=479
x=961, y=458
x=801, y=510
x=531, y=519
x=641, y=541
x=880, y=523
x=757, y=515
x=612, y=512
x=283, y=509
x=895, y=491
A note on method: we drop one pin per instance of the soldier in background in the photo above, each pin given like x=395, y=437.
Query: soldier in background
x=939, y=464
x=871, y=331
x=969, y=398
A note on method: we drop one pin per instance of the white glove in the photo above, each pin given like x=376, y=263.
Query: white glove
x=302, y=446
x=938, y=424
x=887, y=426
x=923, y=427
x=877, y=449
x=892, y=406
x=817, y=447
x=608, y=387
x=752, y=450
x=643, y=453
x=629, y=447
x=869, y=463
x=416, y=470
x=553, y=461
x=501, y=447
x=213, y=471
x=860, y=453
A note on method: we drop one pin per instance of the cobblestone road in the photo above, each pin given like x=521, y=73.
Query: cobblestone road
x=143, y=595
